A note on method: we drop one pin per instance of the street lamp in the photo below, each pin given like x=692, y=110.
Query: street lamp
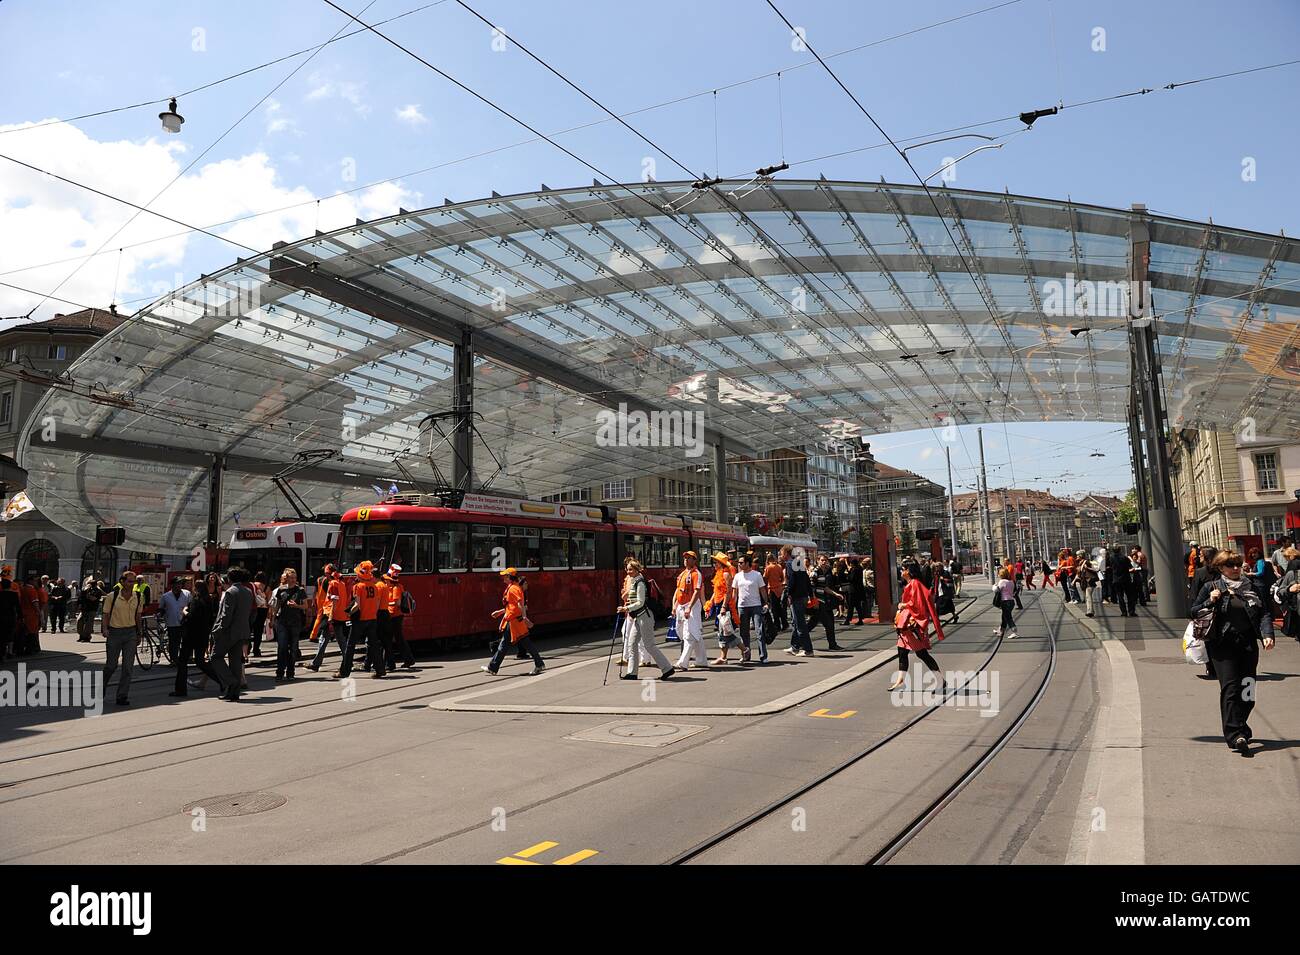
x=171, y=120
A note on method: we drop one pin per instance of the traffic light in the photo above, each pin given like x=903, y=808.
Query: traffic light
x=111, y=536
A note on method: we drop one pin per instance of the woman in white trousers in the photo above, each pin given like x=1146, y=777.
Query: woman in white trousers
x=639, y=625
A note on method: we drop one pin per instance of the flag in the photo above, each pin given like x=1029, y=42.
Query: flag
x=379, y=491
x=17, y=506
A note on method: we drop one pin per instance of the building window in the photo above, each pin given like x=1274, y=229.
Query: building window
x=1272, y=528
x=618, y=490
x=13, y=353
x=1266, y=471
x=58, y=352
x=6, y=407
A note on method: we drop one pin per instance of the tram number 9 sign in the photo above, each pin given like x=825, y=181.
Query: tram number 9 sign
x=363, y=514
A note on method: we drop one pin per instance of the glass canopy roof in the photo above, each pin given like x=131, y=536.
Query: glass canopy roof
x=781, y=311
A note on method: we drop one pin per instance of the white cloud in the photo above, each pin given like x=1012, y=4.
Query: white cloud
x=47, y=220
x=276, y=121
x=411, y=115
x=323, y=88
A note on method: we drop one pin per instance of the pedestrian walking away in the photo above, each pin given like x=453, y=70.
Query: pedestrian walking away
x=1004, y=592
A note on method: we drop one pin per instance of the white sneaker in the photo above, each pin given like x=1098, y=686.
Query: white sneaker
x=486, y=669
x=997, y=632
x=1011, y=635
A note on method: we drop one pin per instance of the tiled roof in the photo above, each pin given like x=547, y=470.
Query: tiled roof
x=97, y=320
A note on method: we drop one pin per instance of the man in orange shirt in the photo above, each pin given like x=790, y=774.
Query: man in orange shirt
x=398, y=601
x=687, y=604
x=366, y=597
x=774, y=576
x=332, y=599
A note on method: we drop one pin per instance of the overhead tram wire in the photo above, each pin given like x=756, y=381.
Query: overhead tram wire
x=721, y=196
x=213, y=83
x=924, y=186
x=503, y=148
x=193, y=162
x=611, y=180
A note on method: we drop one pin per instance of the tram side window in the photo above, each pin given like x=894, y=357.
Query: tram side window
x=634, y=546
x=525, y=548
x=414, y=553
x=584, y=550
x=671, y=552
x=487, y=541
x=317, y=558
x=452, y=549
x=366, y=542
x=555, y=549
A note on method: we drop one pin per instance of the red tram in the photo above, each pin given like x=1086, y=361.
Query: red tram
x=570, y=557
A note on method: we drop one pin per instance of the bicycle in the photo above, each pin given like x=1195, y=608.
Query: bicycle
x=153, y=644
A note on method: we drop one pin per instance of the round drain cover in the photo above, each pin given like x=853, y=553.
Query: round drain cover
x=1181, y=660
x=645, y=730
x=236, y=804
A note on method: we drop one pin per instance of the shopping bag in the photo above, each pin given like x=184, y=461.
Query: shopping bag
x=672, y=629
x=1194, y=647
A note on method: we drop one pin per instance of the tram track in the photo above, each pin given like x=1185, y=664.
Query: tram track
x=417, y=692
x=899, y=840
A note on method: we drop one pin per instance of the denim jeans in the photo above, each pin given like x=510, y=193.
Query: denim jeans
x=799, y=636
x=361, y=630
x=524, y=643
x=338, y=629
x=751, y=619
x=286, y=646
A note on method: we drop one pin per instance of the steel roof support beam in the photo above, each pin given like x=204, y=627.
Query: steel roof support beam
x=363, y=298
x=1161, y=517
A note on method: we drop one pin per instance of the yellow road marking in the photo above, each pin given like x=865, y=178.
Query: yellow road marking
x=576, y=857
x=511, y=860
x=536, y=850
x=833, y=716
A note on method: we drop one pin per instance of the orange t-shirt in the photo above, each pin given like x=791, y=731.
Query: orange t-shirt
x=394, y=591
x=367, y=594
x=339, y=606
x=774, y=576
x=688, y=583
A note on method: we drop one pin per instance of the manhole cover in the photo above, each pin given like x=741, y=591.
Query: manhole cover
x=1182, y=660
x=236, y=804
x=638, y=733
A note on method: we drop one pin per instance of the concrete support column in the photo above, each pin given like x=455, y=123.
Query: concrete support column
x=462, y=441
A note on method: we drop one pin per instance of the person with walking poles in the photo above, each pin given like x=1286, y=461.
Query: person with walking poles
x=121, y=629
x=1236, y=621
x=688, y=606
x=230, y=631
x=514, y=626
x=639, y=625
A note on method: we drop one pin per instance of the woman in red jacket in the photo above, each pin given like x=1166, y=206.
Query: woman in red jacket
x=916, y=615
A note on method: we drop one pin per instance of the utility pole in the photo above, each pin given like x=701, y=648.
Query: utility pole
x=952, y=507
x=986, y=525
x=1006, y=534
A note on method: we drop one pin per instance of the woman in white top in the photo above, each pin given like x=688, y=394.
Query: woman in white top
x=751, y=597
x=1005, y=588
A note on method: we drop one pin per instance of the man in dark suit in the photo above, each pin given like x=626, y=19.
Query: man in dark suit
x=232, y=629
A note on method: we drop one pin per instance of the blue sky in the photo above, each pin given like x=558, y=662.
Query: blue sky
x=360, y=111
